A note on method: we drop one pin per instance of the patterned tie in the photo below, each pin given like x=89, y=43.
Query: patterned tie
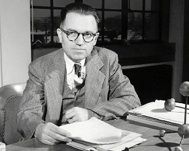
x=77, y=68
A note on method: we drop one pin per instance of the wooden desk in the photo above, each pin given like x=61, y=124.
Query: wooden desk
x=154, y=142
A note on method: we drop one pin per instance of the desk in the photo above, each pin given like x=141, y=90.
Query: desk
x=154, y=143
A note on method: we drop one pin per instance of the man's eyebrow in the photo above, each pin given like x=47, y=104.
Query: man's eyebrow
x=73, y=30
x=69, y=29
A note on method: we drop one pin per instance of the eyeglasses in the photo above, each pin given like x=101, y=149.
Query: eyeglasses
x=73, y=35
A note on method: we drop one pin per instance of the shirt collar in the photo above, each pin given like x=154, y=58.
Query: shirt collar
x=70, y=63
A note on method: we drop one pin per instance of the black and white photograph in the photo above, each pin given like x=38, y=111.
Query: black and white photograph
x=94, y=75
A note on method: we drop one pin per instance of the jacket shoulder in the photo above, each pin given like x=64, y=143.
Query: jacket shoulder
x=46, y=59
x=106, y=53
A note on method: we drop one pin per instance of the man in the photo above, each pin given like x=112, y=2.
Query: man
x=56, y=93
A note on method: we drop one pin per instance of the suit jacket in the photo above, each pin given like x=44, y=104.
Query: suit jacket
x=108, y=92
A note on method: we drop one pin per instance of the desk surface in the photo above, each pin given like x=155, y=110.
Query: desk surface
x=153, y=143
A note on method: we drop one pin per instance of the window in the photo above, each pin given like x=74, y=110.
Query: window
x=121, y=21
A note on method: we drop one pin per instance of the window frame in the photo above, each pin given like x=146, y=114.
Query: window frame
x=124, y=10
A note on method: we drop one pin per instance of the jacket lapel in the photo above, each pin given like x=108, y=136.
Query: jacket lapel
x=94, y=80
x=54, y=87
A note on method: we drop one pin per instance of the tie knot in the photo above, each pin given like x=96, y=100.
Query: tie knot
x=77, y=68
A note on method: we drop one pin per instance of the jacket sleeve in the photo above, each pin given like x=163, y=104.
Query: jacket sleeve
x=32, y=104
x=121, y=95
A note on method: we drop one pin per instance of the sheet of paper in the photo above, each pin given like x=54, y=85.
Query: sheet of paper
x=156, y=110
x=93, y=131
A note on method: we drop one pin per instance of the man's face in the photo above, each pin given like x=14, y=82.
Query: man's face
x=78, y=49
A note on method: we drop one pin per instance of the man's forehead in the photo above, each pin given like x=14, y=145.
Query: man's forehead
x=81, y=21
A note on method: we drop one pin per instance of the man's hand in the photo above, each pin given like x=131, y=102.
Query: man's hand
x=51, y=134
x=76, y=114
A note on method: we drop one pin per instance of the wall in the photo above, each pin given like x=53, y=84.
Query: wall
x=0, y=52
x=15, y=47
x=186, y=43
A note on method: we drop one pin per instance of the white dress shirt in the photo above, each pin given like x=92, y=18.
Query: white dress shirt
x=72, y=78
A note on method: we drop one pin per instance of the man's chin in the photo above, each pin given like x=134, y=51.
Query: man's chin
x=78, y=59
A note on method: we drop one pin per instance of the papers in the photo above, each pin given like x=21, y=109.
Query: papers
x=155, y=110
x=93, y=131
x=95, y=134
x=126, y=142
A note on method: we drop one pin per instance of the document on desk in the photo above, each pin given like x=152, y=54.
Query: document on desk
x=155, y=111
x=95, y=134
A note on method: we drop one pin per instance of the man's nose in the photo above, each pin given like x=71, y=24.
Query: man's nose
x=79, y=40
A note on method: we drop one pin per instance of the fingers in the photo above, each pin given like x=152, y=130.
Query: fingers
x=59, y=135
x=48, y=140
x=76, y=114
x=71, y=116
x=50, y=134
x=73, y=119
x=70, y=113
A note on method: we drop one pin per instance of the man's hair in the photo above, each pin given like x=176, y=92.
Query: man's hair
x=79, y=8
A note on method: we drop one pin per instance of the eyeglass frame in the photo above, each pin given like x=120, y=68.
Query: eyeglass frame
x=78, y=33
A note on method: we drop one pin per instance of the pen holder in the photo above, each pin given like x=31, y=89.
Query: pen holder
x=183, y=130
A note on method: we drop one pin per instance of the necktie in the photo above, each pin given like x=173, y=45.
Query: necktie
x=77, y=68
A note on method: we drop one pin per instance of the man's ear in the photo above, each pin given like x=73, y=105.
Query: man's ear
x=96, y=38
x=59, y=33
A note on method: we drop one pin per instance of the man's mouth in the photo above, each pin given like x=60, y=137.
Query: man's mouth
x=79, y=49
